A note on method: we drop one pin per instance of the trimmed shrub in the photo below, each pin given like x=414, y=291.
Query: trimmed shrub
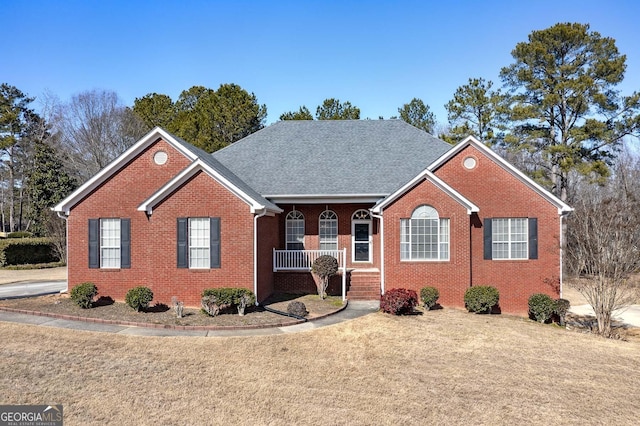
x=216, y=299
x=20, y=234
x=297, y=308
x=139, y=298
x=20, y=251
x=481, y=299
x=83, y=294
x=398, y=301
x=541, y=307
x=429, y=297
x=561, y=309
x=324, y=267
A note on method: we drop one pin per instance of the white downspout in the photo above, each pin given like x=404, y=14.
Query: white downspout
x=561, y=252
x=380, y=218
x=255, y=252
x=66, y=242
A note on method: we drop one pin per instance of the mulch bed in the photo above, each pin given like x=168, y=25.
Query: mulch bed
x=107, y=310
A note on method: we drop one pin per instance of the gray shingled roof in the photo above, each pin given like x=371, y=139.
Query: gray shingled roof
x=330, y=158
x=228, y=174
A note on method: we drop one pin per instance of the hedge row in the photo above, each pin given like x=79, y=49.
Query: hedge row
x=20, y=251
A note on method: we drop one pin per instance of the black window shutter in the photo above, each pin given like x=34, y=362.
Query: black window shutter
x=533, y=238
x=183, y=260
x=488, y=243
x=215, y=242
x=125, y=243
x=94, y=243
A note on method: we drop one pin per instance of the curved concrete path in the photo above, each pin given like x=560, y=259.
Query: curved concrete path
x=354, y=309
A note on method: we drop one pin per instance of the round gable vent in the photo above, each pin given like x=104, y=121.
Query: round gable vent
x=470, y=163
x=160, y=158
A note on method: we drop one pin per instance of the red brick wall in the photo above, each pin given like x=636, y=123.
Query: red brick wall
x=153, y=239
x=268, y=234
x=499, y=194
x=451, y=277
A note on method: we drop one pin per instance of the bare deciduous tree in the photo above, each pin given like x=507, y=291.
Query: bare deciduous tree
x=603, y=245
x=95, y=128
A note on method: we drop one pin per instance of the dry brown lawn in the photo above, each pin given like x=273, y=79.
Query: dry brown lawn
x=443, y=367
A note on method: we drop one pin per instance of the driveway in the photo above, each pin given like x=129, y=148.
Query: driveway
x=24, y=289
x=579, y=306
x=32, y=282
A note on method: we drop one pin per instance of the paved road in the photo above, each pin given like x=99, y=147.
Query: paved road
x=630, y=315
x=32, y=288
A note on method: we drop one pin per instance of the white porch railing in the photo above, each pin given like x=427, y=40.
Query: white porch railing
x=301, y=260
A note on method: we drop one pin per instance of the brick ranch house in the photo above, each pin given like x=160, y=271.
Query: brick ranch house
x=396, y=206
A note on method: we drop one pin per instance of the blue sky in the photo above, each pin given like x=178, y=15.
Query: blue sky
x=377, y=55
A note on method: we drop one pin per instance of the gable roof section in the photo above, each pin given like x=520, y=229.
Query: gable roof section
x=331, y=159
x=196, y=155
x=563, y=208
x=246, y=194
x=436, y=181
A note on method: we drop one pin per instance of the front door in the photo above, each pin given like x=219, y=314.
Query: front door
x=361, y=236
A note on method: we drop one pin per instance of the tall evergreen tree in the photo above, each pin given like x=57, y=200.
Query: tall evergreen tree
x=333, y=109
x=475, y=110
x=302, y=114
x=47, y=184
x=564, y=106
x=418, y=114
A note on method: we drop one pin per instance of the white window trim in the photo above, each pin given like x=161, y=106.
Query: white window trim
x=426, y=212
x=297, y=217
x=206, y=242
x=328, y=217
x=510, y=241
x=116, y=244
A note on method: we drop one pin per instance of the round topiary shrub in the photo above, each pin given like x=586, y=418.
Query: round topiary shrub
x=429, y=297
x=481, y=299
x=562, y=307
x=398, y=301
x=324, y=267
x=83, y=294
x=541, y=307
x=297, y=308
x=139, y=298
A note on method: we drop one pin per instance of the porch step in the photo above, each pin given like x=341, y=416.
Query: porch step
x=364, y=285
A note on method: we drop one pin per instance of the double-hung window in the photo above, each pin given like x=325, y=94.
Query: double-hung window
x=199, y=242
x=424, y=236
x=295, y=230
x=109, y=243
x=328, y=230
x=511, y=238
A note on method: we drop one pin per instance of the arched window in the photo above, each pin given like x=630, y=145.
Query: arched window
x=425, y=236
x=328, y=230
x=295, y=230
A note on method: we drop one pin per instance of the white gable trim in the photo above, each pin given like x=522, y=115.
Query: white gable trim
x=195, y=167
x=563, y=208
x=439, y=183
x=71, y=200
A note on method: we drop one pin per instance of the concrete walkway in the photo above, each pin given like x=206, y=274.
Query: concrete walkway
x=353, y=310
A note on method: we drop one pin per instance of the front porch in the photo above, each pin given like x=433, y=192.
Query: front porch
x=292, y=274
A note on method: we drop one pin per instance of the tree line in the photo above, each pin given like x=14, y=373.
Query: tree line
x=559, y=116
